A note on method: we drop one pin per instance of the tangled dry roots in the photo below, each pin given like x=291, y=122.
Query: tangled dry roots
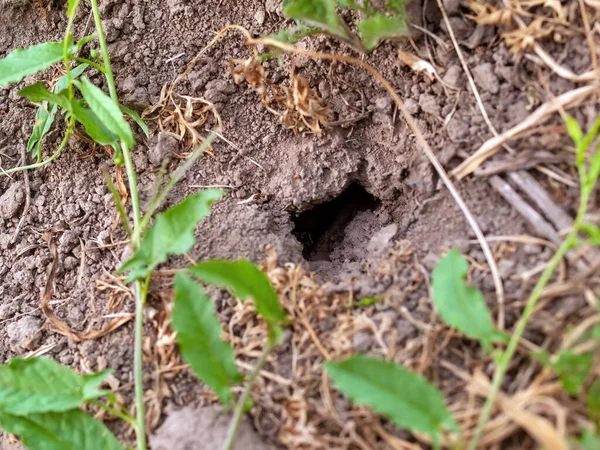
x=298, y=106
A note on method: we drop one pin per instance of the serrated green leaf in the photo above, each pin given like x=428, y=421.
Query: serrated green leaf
x=38, y=93
x=460, y=305
x=171, y=234
x=19, y=63
x=593, y=401
x=405, y=398
x=318, y=13
x=40, y=385
x=137, y=119
x=70, y=430
x=379, y=27
x=571, y=368
x=94, y=127
x=107, y=111
x=199, y=338
x=245, y=280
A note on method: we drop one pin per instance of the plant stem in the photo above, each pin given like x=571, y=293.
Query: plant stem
x=66, y=48
x=140, y=291
x=115, y=413
x=177, y=175
x=504, y=360
x=91, y=63
x=239, y=408
x=55, y=155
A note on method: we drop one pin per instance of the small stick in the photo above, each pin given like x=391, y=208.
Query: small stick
x=27, y=196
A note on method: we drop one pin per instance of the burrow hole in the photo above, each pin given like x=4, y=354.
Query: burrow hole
x=321, y=229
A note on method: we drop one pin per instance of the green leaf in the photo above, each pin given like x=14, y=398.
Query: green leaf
x=40, y=385
x=593, y=401
x=94, y=127
x=19, y=63
x=198, y=335
x=84, y=40
x=107, y=111
x=405, y=398
x=171, y=234
x=589, y=440
x=365, y=302
x=459, y=305
x=73, y=4
x=379, y=27
x=592, y=231
x=573, y=129
x=38, y=93
x=44, y=118
x=245, y=280
x=46, y=113
x=318, y=13
x=137, y=119
x=396, y=7
x=571, y=368
x=70, y=430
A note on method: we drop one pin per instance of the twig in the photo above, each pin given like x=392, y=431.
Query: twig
x=491, y=146
x=27, y=196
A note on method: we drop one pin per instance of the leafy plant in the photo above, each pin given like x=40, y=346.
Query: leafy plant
x=572, y=368
x=588, y=166
x=40, y=400
x=407, y=399
x=461, y=305
x=322, y=15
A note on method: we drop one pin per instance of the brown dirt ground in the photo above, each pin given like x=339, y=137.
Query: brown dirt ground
x=387, y=218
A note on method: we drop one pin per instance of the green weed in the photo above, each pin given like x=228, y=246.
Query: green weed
x=315, y=16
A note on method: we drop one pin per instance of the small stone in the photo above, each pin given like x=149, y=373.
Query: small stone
x=362, y=341
x=486, y=78
x=129, y=84
x=70, y=263
x=12, y=200
x=452, y=6
x=273, y=6
x=259, y=16
x=454, y=76
x=411, y=106
x=532, y=249
x=505, y=268
x=21, y=333
x=384, y=104
x=68, y=241
x=457, y=130
x=430, y=104
x=162, y=146
x=382, y=239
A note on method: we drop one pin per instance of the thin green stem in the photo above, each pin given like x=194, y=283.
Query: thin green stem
x=115, y=412
x=66, y=43
x=91, y=63
x=141, y=291
x=177, y=175
x=241, y=404
x=55, y=155
x=504, y=360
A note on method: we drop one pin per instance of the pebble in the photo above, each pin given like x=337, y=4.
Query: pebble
x=457, y=130
x=21, y=333
x=486, y=78
x=12, y=200
x=430, y=104
x=162, y=146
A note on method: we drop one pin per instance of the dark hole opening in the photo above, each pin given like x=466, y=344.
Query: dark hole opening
x=321, y=228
